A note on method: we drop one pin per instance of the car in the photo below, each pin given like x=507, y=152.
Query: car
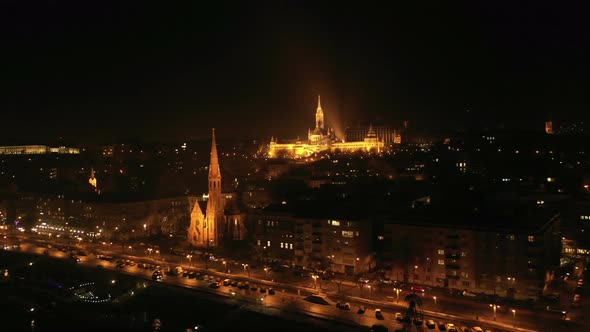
x=361, y=310
x=226, y=282
x=580, y=282
x=464, y=329
x=120, y=265
x=343, y=306
x=253, y=288
x=417, y=289
x=192, y=275
x=451, y=327
x=430, y=324
x=100, y=266
x=467, y=293
x=379, y=314
x=441, y=326
x=398, y=316
x=214, y=285
x=262, y=290
x=271, y=291
x=556, y=310
x=141, y=265
x=476, y=329
x=157, y=275
x=185, y=274
x=418, y=322
x=234, y=283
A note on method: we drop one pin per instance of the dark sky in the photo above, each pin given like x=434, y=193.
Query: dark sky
x=91, y=70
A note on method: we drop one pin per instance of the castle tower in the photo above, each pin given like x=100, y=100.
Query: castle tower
x=319, y=115
x=214, y=219
x=92, y=180
x=549, y=127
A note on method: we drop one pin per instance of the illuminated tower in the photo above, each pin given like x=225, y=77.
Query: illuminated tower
x=549, y=127
x=92, y=180
x=319, y=115
x=214, y=218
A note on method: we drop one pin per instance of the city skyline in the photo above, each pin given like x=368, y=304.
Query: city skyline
x=174, y=72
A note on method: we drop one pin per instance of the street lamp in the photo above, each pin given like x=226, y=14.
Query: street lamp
x=434, y=297
x=224, y=266
x=266, y=271
x=397, y=292
x=314, y=277
x=246, y=269
x=189, y=260
x=494, y=307
x=513, y=317
x=150, y=251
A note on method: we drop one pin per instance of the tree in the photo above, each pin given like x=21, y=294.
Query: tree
x=414, y=312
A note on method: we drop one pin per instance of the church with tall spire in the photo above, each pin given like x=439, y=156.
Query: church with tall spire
x=221, y=220
x=322, y=139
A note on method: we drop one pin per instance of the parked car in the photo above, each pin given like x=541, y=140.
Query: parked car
x=398, y=316
x=361, y=310
x=442, y=326
x=379, y=314
x=430, y=324
x=271, y=291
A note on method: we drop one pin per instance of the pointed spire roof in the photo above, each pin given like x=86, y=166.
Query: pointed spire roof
x=214, y=163
x=371, y=132
x=319, y=103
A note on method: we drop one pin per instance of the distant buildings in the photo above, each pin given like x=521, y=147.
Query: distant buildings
x=321, y=139
x=36, y=149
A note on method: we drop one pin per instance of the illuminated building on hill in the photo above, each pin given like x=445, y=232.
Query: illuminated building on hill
x=321, y=139
x=37, y=149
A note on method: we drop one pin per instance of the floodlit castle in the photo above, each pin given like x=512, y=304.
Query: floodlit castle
x=321, y=139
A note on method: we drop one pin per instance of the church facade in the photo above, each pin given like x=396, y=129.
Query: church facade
x=222, y=220
x=322, y=139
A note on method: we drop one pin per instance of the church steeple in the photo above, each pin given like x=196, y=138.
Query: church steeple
x=319, y=115
x=214, y=173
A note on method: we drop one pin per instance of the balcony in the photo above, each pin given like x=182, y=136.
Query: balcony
x=452, y=266
x=453, y=256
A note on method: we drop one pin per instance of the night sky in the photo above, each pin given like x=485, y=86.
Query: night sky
x=94, y=71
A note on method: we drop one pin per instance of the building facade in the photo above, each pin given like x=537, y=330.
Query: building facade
x=336, y=245
x=468, y=257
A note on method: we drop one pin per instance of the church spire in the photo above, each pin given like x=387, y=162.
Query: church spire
x=319, y=115
x=214, y=172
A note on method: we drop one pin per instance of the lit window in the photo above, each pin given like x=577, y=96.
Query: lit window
x=347, y=234
x=441, y=262
x=335, y=223
x=258, y=242
x=268, y=243
x=531, y=238
x=441, y=251
x=290, y=245
x=380, y=237
x=281, y=244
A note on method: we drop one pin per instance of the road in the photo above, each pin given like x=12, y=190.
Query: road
x=291, y=292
